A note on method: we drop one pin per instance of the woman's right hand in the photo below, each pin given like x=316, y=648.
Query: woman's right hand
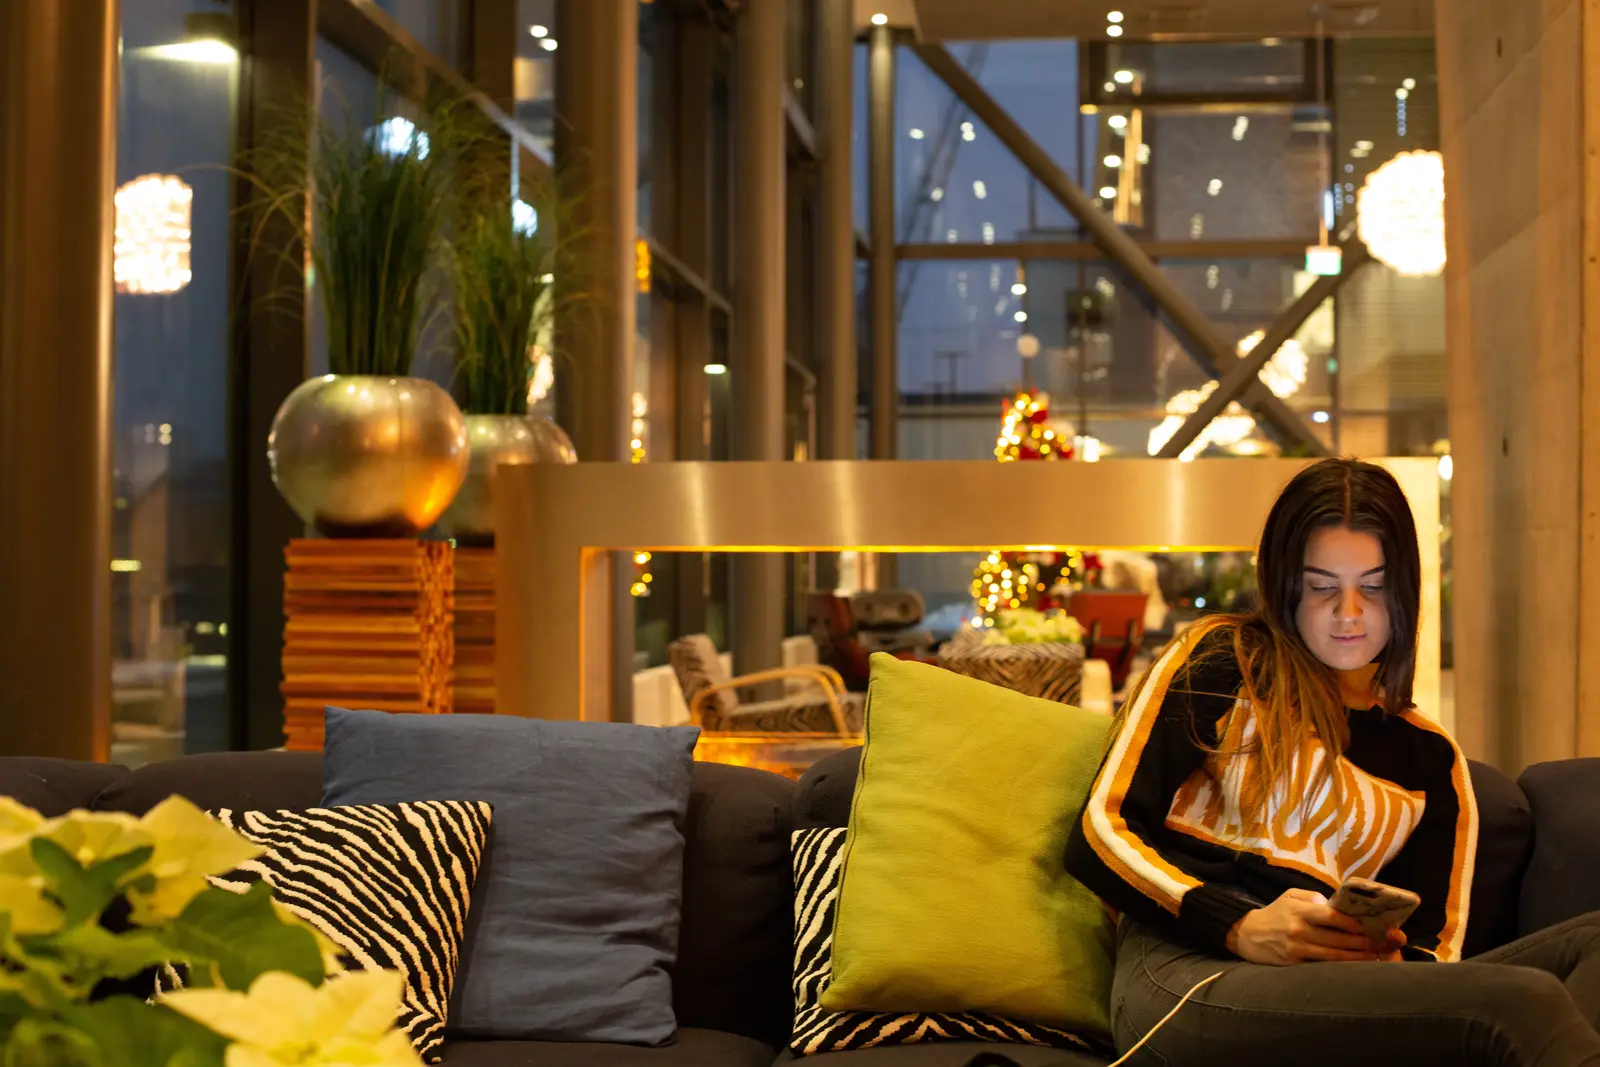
x=1300, y=927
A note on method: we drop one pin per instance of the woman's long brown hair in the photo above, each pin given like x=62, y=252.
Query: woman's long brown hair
x=1294, y=696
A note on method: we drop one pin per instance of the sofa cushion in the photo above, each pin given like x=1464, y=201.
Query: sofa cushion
x=574, y=926
x=54, y=787
x=256, y=781
x=955, y=1054
x=817, y=866
x=824, y=793
x=689, y=1048
x=1561, y=880
x=732, y=972
x=954, y=896
x=391, y=885
x=1505, y=840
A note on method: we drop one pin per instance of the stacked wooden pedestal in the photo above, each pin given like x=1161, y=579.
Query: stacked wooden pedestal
x=368, y=624
x=473, y=677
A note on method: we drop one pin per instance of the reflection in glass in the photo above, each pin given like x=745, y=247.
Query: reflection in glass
x=170, y=446
x=437, y=25
x=538, y=51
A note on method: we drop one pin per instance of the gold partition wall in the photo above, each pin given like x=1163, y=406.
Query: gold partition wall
x=555, y=523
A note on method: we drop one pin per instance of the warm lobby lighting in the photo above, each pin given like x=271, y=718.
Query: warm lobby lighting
x=716, y=368
x=880, y=19
x=126, y=566
x=151, y=246
x=209, y=51
x=539, y=31
x=1400, y=214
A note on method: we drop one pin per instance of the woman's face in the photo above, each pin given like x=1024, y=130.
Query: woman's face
x=1343, y=616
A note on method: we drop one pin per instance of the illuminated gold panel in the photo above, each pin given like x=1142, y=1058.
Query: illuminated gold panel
x=554, y=524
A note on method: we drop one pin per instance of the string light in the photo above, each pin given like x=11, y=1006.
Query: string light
x=151, y=245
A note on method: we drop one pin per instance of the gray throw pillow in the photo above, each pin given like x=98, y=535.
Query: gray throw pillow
x=575, y=914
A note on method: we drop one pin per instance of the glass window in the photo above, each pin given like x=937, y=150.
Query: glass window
x=800, y=43
x=1239, y=69
x=170, y=446
x=437, y=25
x=858, y=149
x=535, y=77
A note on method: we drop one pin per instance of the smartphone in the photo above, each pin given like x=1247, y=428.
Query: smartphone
x=1377, y=907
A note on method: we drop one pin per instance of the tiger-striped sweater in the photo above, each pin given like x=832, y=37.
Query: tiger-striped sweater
x=1162, y=838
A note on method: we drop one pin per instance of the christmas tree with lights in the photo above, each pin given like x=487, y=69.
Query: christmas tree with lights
x=1010, y=580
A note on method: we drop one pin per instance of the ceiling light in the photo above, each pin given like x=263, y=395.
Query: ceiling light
x=1363, y=146
x=936, y=194
x=1241, y=126
x=1108, y=191
x=538, y=30
x=1021, y=316
x=716, y=368
x=1123, y=77
x=548, y=44
x=1214, y=186
x=1111, y=87
x=1018, y=289
x=1409, y=84
x=916, y=133
x=1400, y=213
x=980, y=190
x=1401, y=93
x=1118, y=122
x=969, y=134
x=1113, y=162
x=880, y=19
x=151, y=242
x=1113, y=16
x=1113, y=31
x=1319, y=417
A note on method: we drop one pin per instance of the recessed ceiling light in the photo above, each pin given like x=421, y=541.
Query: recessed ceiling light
x=1123, y=77
x=548, y=44
x=916, y=134
x=880, y=19
x=1117, y=122
x=1113, y=16
x=539, y=31
x=1113, y=162
x=1113, y=31
x=716, y=368
x=1018, y=289
x=1108, y=191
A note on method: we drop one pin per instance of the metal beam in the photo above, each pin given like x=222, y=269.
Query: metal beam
x=1244, y=372
x=1190, y=326
x=881, y=271
x=1209, y=251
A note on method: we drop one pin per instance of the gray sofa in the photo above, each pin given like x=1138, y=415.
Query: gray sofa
x=1538, y=863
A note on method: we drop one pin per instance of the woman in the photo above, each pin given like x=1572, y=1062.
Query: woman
x=1267, y=757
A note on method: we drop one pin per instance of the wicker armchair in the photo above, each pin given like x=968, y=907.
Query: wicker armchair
x=715, y=706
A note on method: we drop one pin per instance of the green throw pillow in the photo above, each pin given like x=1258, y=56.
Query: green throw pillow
x=955, y=897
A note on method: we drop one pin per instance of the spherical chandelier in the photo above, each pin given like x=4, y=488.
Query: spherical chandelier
x=1400, y=213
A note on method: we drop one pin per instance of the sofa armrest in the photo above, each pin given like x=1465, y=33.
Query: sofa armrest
x=1563, y=876
x=54, y=787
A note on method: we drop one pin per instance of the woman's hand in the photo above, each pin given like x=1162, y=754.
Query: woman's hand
x=1300, y=927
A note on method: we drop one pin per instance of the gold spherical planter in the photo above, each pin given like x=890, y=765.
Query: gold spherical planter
x=496, y=439
x=360, y=456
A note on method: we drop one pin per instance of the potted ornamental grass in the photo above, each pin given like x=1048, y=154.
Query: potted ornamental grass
x=511, y=268
x=368, y=450
x=92, y=901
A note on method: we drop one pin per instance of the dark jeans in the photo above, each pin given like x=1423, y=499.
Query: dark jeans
x=1533, y=1002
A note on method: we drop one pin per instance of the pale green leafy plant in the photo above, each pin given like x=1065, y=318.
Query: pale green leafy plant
x=96, y=897
x=1026, y=626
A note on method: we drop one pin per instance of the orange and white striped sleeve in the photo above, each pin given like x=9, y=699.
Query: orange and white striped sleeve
x=1157, y=749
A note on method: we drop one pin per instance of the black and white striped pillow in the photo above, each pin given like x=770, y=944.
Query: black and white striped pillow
x=390, y=884
x=818, y=864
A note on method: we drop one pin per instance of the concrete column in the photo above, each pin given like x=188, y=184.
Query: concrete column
x=836, y=245
x=1520, y=122
x=597, y=154
x=759, y=261
x=58, y=114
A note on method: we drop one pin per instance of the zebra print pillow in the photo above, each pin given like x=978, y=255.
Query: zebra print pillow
x=388, y=883
x=818, y=856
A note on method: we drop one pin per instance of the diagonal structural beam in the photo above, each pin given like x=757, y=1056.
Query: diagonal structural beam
x=1191, y=326
x=1243, y=373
